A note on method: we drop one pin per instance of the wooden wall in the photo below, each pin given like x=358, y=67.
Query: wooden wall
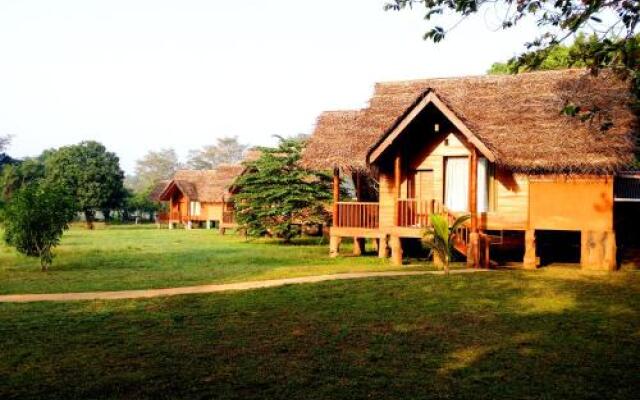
x=509, y=193
x=211, y=211
x=574, y=204
x=508, y=201
x=387, y=198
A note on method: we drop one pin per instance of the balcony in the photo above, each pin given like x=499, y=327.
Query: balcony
x=364, y=215
x=414, y=213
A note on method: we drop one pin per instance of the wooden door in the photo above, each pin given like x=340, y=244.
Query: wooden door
x=420, y=185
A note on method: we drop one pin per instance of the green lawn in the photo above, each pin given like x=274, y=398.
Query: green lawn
x=127, y=257
x=549, y=334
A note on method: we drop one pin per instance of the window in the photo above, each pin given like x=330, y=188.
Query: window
x=194, y=208
x=456, y=191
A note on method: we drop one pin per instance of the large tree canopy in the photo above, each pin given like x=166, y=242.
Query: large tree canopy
x=153, y=167
x=276, y=192
x=90, y=173
x=227, y=150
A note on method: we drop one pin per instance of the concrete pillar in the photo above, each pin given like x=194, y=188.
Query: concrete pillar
x=396, y=250
x=358, y=246
x=598, y=250
x=530, y=260
x=208, y=224
x=189, y=225
x=383, y=247
x=334, y=246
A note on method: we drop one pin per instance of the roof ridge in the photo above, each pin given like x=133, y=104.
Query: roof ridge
x=482, y=76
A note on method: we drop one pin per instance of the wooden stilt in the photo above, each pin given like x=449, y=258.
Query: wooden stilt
x=334, y=246
x=530, y=258
x=396, y=250
x=383, y=247
x=358, y=246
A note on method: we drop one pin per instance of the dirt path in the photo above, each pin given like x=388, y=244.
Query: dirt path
x=148, y=293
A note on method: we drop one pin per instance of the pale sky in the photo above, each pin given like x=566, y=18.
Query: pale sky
x=138, y=75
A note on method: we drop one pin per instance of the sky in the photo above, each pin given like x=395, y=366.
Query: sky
x=140, y=75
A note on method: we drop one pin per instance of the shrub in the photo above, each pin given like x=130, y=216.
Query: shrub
x=35, y=218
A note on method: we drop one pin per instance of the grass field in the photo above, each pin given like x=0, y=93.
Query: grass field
x=549, y=334
x=129, y=257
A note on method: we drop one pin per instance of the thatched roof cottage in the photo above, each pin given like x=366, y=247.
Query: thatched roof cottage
x=495, y=147
x=201, y=196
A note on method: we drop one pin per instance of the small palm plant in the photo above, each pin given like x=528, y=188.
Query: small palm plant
x=439, y=237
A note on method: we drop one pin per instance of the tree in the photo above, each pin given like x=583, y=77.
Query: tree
x=153, y=167
x=613, y=24
x=17, y=175
x=141, y=202
x=275, y=192
x=35, y=219
x=4, y=158
x=557, y=57
x=4, y=142
x=439, y=237
x=227, y=150
x=90, y=173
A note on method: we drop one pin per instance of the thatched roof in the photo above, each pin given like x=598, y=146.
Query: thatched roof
x=204, y=185
x=157, y=189
x=516, y=116
x=337, y=141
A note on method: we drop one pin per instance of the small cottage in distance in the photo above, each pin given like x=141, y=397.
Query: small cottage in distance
x=200, y=197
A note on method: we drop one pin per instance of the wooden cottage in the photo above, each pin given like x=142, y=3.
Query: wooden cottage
x=495, y=147
x=201, y=197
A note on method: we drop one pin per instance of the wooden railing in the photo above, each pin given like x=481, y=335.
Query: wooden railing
x=460, y=234
x=174, y=216
x=413, y=213
x=357, y=215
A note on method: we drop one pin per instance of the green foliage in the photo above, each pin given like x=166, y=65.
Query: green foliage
x=227, y=150
x=90, y=173
x=439, y=237
x=276, y=192
x=559, y=56
x=141, y=201
x=16, y=176
x=35, y=217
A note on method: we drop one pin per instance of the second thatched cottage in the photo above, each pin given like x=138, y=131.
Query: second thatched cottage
x=495, y=147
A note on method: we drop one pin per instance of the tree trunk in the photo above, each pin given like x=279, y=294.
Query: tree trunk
x=88, y=216
x=107, y=215
x=446, y=264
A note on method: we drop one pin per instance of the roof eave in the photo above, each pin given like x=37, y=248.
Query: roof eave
x=426, y=98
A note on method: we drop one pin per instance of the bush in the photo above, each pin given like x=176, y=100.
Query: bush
x=35, y=218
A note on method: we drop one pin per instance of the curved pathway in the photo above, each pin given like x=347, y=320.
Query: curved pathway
x=148, y=293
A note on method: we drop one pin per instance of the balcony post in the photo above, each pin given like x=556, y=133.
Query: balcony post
x=473, y=250
x=397, y=180
x=336, y=194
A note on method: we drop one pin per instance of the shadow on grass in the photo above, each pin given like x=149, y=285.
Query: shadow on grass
x=548, y=334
